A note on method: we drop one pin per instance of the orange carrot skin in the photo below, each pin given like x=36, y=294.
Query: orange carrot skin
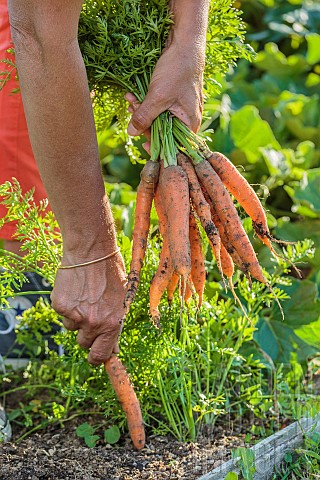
x=243, y=193
x=128, y=400
x=225, y=242
x=160, y=282
x=227, y=212
x=226, y=263
x=198, y=271
x=164, y=272
x=201, y=206
x=174, y=190
x=172, y=286
x=145, y=194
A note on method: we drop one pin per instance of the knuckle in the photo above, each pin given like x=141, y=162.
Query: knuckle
x=92, y=323
x=96, y=357
x=84, y=342
x=139, y=120
x=58, y=305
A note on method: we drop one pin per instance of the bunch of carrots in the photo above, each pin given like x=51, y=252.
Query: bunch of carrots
x=197, y=191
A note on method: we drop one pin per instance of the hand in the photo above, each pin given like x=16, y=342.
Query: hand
x=176, y=85
x=91, y=300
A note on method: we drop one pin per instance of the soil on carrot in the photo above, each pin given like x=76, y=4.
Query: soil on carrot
x=58, y=454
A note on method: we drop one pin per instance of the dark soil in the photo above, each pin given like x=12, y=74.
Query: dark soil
x=58, y=454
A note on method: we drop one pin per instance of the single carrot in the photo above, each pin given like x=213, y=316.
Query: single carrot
x=247, y=198
x=201, y=207
x=243, y=193
x=174, y=191
x=227, y=212
x=145, y=194
x=127, y=398
x=226, y=263
x=198, y=271
x=164, y=272
x=172, y=285
x=189, y=289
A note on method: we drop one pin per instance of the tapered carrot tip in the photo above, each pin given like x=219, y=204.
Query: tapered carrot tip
x=128, y=400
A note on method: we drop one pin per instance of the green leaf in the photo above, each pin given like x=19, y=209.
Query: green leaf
x=297, y=334
x=84, y=430
x=112, y=435
x=232, y=476
x=91, y=440
x=309, y=190
x=302, y=308
x=313, y=54
x=250, y=133
x=276, y=63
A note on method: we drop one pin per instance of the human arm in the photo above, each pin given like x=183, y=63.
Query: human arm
x=60, y=121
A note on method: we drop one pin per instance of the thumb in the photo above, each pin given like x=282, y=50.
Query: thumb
x=143, y=116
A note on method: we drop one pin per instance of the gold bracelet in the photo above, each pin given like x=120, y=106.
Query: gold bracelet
x=65, y=267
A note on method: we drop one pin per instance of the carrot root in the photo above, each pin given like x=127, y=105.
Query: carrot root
x=128, y=400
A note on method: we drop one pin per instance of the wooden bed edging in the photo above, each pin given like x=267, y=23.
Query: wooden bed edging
x=270, y=452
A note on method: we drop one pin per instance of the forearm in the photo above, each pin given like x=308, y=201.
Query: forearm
x=61, y=127
x=190, y=24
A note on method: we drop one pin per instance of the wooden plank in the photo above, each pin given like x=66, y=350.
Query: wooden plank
x=269, y=452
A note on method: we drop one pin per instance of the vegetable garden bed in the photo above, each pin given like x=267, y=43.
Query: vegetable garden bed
x=58, y=454
x=270, y=452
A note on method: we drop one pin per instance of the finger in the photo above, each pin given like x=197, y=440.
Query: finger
x=131, y=98
x=70, y=324
x=102, y=348
x=144, y=115
x=116, y=349
x=133, y=107
x=84, y=340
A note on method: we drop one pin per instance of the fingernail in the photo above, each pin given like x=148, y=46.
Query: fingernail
x=146, y=146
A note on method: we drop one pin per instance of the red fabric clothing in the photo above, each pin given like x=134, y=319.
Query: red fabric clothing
x=16, y=157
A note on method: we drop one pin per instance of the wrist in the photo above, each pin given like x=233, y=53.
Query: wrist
x=92, y=236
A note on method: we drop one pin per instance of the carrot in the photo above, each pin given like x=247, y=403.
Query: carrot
x=201, y=207
x=145, y=194
x=198, y=272
x=189, y=289
x=172, y=285
x=227, y=212
x=225, y=242
x=248, y=199
x=226, y=263
x=174, y=191
x=164, y=272
x=229, y=250
x=128, y=400
x=243, y=193
x=160, y=282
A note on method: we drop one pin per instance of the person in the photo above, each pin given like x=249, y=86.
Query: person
x=16, y=160
x=56, y=99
